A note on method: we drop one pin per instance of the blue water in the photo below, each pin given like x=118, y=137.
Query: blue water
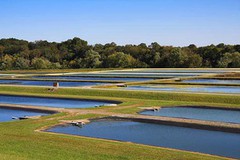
x=132, y=74
x=157, y=70
x=7, y=114
x=50, y=102
x=50, y=83
x=214, y=81
x=211, y=142
x=94, y=78
x=197, y=113
x=208, y=89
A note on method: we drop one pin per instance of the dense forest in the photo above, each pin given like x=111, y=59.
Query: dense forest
x=77, y=53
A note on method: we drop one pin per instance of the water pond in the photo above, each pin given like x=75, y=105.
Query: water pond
x=51, y=102
x=211, y=142
x=134, y=74
x=171, y=70
x=213, y=81
x=197, y=113
x=8, y=114
x=50, y=83
x=198, y=89
x=95, y=78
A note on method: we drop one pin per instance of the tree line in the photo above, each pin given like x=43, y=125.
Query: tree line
x=77, y=53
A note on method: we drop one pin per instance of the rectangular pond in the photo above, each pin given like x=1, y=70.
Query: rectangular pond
x=213, y=81
x=95, y=78
x=8, y=114
x=50, y=83
x=173, y=70
x=219, y=115
x=140, y=74
x=193, y=88
x=210, y=142
x=52, y=102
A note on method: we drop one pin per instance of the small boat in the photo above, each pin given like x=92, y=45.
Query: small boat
x=21, y=118
x=121, y=85
x=79, y=124
x=97, y=106
x=24, y=117
x=156, y=109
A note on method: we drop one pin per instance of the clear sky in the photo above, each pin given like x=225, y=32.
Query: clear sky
x=168, y=22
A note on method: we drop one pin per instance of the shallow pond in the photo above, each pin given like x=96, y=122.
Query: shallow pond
x=175, y=70
x=209, y=89
x=140, y=74
x=214, y=81
x=51, y=102
x=211, y=142
x=94, y=78
x=197, y=113
x=8, y=114
x=172, y=71
x=50, y=83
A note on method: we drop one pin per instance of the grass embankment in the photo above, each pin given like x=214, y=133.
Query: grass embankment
x=58, y=80
x=229, y=75
x=111, y=94
x=20, y=140
x=182, y=83
x=44, y=71
x=180, y=80
x=133, y=101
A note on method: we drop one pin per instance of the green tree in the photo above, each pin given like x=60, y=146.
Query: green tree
x=40, y=63
x=231, y=60
x=56, y=65
x=91, y=59
x=191, y=59
x=175, y=58
x=76, y=53
x=21, y=63
x=1, y=51
x=121, y=60
x=6, y=62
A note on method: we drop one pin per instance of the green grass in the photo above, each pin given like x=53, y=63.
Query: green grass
x=185, y=83
x=43, y=71
x=116, y=94
x=29, y=78
x=85, y=116
x=163, y=103
x=20, y=141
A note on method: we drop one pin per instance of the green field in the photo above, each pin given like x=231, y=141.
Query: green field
x=20, y=140
x=120, y=80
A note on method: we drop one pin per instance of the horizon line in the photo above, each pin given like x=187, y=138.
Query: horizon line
x=93, y=44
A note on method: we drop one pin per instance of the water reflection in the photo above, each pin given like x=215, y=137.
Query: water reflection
x=211, y=142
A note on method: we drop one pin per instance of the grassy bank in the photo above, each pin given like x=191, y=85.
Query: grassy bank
x=185, y=83
x=58, y=80
x=188, y=97
x=20, y=140
x=43, y=71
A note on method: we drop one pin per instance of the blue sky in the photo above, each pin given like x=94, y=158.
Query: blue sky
x=168, y=22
